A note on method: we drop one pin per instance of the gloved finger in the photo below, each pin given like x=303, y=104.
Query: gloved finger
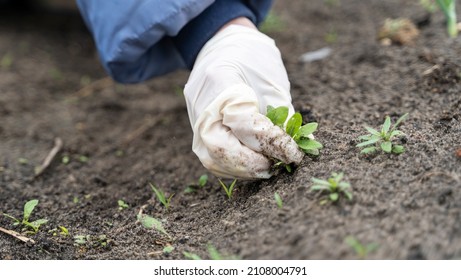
x=256, y=131
x=225, y=156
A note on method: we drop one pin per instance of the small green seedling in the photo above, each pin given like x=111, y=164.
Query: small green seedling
x=122, y=205
x=80, y=240
x=334, y=186
x=161, y=196
x=168, y=249
x=151, y=222
x=302, y=134
x=28, y=208
x=23, y=161
x=61, y=230
x=200, y=184
x=360, y=249
x=449, y=9
x=228, y=189
x=278, y=200
x=382, y=139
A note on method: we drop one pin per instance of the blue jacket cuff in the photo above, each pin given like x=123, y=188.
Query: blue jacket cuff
x=194, y=35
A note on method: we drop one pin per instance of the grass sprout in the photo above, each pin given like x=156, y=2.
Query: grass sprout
x=334, y=186
x=362, y=250
x=228, y=189
x=28, y=225
x=161, y=196
x=449, y=9
x=382, y=139
x=278, y=200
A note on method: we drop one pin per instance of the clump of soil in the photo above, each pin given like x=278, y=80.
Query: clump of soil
x=117, y=139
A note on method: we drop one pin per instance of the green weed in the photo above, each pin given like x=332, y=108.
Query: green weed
x=228, y=189
x=334, y=186
x=449, y=9
x=152, y=223
x=161, y=196
x=28, y=209
x=122, y=205
x=360, y=249
x=278, y=200
x=302, y=134
x=382, y=140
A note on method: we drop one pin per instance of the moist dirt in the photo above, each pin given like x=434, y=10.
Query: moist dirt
x=119, y=138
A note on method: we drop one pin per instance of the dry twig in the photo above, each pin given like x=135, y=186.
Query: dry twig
x=49, y=158
x=17, y=235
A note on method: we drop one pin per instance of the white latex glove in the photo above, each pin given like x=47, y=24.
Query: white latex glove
x=237, y=74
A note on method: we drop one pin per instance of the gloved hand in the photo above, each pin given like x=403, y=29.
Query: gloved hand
x=237, y=74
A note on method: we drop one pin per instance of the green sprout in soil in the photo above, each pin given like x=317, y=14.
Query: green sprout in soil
x=278, y=200
x=162, y=197
x=122, y=205
x=28, y=208
x=61, y=230
x=382, y=139
x=449, y=9
x=151, y=222
x=168, y=249
x=334, y=186
x=360, y=249
x=92, y=241
x=228, y=189
x=302, y=134
x=200, y=184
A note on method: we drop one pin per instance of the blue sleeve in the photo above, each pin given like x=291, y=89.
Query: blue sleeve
x=141, y=39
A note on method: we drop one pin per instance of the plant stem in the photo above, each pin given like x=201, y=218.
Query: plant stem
x=449, y=9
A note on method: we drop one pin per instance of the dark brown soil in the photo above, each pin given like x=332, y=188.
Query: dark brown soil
x=408, y=204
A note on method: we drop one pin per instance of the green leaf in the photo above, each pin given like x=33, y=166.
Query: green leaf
x=150, y=222
x=334, y=196
x=372, y=131
x=309, y=144
x=314, y=152
x=368, y=150
x=36, y=224
x=366, y=143
x=189, y=189
x=398, y=149
x=386, y=125
x=159, y=193
x=320, y=182
x=168, y=249
x=28, y=208
x=386, y=146
x=214, y=254
x=348, y=195
x=278, y=200
x=344, y=185
x=277, y=115
x=320, y=188
x=294, y=123
x=395, y=133
x=401, y=119
x=17, y=222
x=203, y=180
x=306, y=130
x=191, y=256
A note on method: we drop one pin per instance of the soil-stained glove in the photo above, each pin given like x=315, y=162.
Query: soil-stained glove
x=237, y=74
